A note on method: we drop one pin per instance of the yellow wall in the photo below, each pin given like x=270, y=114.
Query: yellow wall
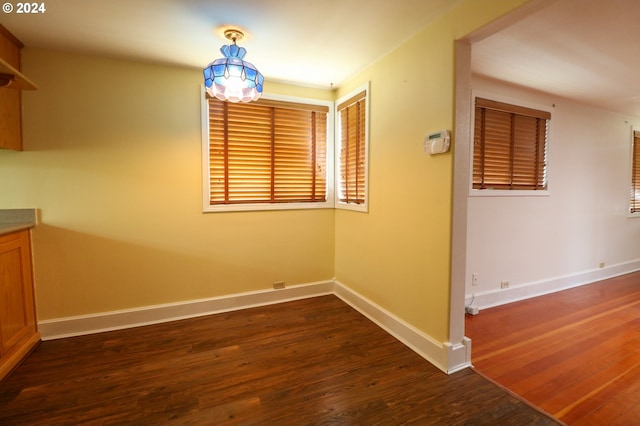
x=112, y=159
x=398, y=255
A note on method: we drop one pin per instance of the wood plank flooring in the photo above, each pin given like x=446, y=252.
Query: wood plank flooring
x=575, y=354
x=309, y=362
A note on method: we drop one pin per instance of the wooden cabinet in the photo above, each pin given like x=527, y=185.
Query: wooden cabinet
x=12, y=82
x=18, y=330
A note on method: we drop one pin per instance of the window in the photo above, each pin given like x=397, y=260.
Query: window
x=635, y=174
x=269, y=154
x=509, y=147
x=352, y=150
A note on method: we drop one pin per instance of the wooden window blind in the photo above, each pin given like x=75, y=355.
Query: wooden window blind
x=509, y=146
x=352, y=115
x=635, y=174
x=267, y=152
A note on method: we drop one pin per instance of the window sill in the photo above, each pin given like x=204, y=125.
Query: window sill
x=507, y=193
x=352, y=207
x=222, y=208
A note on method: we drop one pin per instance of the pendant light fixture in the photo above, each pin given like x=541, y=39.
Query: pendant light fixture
x=231, y=78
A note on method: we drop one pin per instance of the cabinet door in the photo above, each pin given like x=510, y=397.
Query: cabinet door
x=10, y=119
x=10, y=99
x=17, y=313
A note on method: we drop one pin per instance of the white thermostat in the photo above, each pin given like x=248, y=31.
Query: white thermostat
x=437, y=142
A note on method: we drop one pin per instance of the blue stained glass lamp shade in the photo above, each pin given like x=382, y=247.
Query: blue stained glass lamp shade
x=232, y=79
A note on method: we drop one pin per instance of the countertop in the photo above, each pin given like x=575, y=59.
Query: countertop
x=13, y=220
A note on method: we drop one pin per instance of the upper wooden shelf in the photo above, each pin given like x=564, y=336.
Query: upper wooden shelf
x=11, y=78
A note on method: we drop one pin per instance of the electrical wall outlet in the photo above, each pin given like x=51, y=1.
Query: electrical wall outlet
x=504, y=284
x=474, y=278
x=601, y=265
x=278, y=285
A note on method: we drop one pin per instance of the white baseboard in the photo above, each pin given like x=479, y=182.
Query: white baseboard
x=115, y=320
x=491, y=298
x=447, y=357
x=458, y=355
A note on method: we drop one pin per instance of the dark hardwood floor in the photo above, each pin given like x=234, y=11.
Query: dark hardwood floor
x=308, y=362
x=575, y=354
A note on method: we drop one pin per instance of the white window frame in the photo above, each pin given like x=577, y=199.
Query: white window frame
x=501, y=192
x=339, y=204
x=329, y=203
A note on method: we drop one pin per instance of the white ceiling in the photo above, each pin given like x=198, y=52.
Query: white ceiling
x=287, y=40
x=584, y=50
